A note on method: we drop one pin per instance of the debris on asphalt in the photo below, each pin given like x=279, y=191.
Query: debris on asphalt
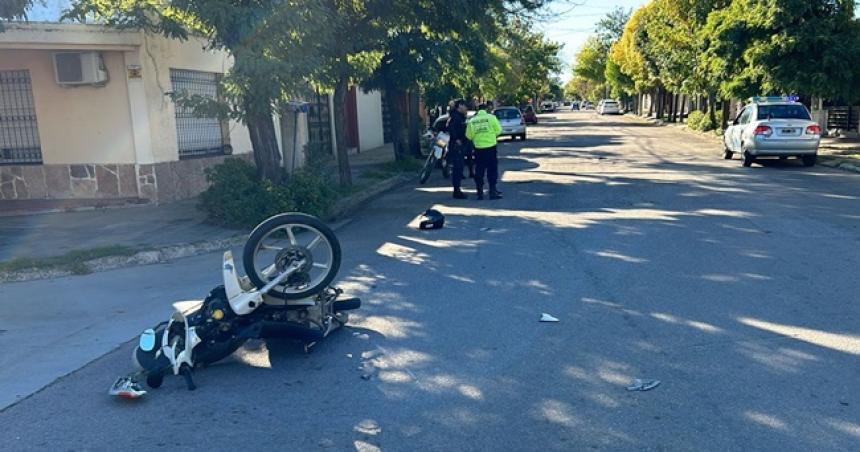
x=486, y=229
x=640, y=384
x=126, y=388
x=366, y=376
x=362, y=336
x=548, y=318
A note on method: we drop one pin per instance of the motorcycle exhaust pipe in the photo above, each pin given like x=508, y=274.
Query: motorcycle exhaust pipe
x=346, y=305
x=291, y=330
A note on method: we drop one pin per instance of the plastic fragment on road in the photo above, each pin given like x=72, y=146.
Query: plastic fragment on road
x=548, y=318
x=126, y=388
x=639, y=384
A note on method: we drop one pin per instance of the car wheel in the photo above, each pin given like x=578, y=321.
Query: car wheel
x=727, y=154
x=748, y=159
x=809, y=160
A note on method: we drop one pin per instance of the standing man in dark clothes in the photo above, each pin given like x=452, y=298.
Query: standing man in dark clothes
x=458, y=145
x=483, y=129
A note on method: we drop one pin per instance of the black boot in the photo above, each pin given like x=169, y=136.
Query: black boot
x=459, y=195
x=495, y=194
x=480, y=194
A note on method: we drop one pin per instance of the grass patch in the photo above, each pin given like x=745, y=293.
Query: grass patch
x=73, y=261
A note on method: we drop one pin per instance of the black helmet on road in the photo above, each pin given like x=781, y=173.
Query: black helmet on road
x=432, y=219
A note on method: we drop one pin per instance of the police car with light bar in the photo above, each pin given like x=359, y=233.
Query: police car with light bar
x=773, y=127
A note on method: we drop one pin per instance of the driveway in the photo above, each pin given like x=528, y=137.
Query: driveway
x=736, y=287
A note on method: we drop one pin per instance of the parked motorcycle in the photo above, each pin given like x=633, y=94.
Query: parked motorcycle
x=290, y=261
x=436, y=156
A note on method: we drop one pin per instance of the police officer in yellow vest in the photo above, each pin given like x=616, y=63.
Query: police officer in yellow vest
x=482, y=130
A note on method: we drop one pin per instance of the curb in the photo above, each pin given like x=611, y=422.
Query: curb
x=341, y=209
x=828, y=160
x=352, y=203
x=839, y=163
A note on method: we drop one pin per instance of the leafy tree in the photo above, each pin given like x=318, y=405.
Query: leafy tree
x=259, y=35
x=591, y=66
x=533, y=61
x=775, y=47
x=14, y=9
x=596, y=73
x=610, y=28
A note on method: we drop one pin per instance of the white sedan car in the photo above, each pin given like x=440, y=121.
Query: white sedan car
x=773, y=127
x=608, y=107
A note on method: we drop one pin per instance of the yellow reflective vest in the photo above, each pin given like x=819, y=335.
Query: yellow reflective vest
x=483, y=129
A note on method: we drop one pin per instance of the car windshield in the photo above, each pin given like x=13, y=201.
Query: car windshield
x=782, y=112
x=507, y=113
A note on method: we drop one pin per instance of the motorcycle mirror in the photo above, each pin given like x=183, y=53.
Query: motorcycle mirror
x=147, y=340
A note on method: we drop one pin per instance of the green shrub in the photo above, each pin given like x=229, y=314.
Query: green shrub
x=700, y=121
x=236, y=196
x=310, y=191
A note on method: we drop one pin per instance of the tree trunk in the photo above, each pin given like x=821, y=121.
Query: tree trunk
x=683, y=107
x=414, y=121
x=672, y=104
x=726, y=113
x=661, y=103
x=343, y=171
x=712, y=111
x=395, y=113
x=267, y=156
x=652, y=97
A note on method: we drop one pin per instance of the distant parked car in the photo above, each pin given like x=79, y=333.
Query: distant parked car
x=773, y=127
x=512, y=121
x=547, y=106
x=529, y=115
x=609, y=107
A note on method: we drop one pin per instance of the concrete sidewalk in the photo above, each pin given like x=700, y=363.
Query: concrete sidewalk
x=145, y=226
x=148, y=226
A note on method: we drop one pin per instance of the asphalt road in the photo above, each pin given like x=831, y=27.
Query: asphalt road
x=736, y=287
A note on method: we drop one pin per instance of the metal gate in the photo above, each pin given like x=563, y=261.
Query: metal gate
x=198, y=136
x=386, y=120
x=19, y=131
x=843, y=117
x=319, y=124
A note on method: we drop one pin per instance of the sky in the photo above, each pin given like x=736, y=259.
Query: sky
x=572, y=21
x=569, y=22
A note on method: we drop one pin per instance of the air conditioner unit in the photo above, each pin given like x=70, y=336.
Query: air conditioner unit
x=79, y=68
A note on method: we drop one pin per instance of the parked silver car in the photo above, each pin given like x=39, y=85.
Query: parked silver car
x=512, y=121
x=773, y=127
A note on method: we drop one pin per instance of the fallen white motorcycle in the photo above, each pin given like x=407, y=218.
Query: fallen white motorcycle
x=290, y=261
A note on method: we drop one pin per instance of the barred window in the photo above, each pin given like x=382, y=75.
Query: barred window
x=19, y=132
x=198, y=136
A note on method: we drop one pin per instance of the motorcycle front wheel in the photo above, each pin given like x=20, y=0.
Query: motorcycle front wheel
x=427, y=169
x=287, y=239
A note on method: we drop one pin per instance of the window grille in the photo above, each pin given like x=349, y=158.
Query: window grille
x=198, y=136
x=19, y=131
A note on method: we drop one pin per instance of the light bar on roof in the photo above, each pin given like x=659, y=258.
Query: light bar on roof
x=765, y=99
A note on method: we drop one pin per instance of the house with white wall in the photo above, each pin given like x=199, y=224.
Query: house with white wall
x=85, y=114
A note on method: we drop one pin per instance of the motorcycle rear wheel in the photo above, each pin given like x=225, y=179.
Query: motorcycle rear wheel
x=427, y=169
x=316, y=273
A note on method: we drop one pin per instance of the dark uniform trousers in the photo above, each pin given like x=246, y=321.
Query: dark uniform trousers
x=455, y=158
x=486, y=161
